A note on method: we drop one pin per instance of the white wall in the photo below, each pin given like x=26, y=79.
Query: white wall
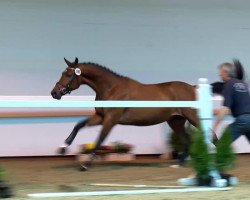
x=39, y=137
x=36, y=137
x=151, y=41
x=42, y=136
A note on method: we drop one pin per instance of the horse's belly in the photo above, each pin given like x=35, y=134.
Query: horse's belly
x=146, y=116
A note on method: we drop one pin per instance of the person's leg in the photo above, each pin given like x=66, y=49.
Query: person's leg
x=236, y=130
x=241, y=126
x=247, y=127
x=248, y=136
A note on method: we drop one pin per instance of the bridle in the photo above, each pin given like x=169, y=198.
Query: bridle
x=65, y=89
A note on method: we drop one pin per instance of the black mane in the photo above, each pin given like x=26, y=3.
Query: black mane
x=103, y=68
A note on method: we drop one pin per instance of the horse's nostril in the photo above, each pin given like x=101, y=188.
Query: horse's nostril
x=64, y=91
x=53, y=94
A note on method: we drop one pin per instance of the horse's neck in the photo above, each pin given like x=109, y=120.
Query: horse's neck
x=99, y=80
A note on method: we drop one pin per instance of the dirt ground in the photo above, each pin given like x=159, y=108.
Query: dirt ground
x=38, y=175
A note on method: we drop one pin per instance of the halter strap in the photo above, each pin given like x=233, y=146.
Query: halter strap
x=65, y=89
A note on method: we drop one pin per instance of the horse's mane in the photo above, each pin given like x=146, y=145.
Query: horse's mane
x=104, y=68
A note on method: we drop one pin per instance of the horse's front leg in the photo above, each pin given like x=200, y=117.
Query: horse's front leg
x=94, y=120
x=71, y=137
x=108, y=123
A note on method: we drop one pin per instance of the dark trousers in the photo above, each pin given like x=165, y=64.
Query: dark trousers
x=241, y=126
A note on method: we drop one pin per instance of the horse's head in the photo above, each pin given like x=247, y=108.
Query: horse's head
x=69, y=81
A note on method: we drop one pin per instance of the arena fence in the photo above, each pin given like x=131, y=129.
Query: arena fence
x=203, y=104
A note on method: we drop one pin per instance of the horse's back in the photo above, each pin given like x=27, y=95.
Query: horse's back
x=180, y=91
x=168, y=91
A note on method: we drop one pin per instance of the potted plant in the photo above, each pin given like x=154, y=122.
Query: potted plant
x=121, y=148
x=89, y=147
x=225, y=157
x=200, y=158
x=114, y=152
x=5, y=191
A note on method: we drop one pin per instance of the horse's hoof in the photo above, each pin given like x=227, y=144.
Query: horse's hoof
x=62, y=150
x=83, y=168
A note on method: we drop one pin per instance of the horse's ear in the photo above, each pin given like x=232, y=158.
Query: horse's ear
x=76, y=61
x=67, y=62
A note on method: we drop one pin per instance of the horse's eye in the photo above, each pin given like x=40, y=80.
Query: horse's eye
x=66, y=73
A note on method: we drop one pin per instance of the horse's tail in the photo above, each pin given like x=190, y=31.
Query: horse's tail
x=240, y=72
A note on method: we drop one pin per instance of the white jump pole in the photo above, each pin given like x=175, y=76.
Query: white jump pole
x=205, y=108
x=123, y=192
x=92, y=104
x=205, y=112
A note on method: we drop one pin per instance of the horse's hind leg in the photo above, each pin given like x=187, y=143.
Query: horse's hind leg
x=94, y=120
x=191, y=115
x=177, y=123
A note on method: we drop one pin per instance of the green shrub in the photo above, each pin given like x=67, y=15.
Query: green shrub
x=2, y=173
x=200, y=157
x=225, y=157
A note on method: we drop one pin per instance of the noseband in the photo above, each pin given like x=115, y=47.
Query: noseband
x=65, y=89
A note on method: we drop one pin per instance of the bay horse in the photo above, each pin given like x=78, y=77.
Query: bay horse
x=109, y=85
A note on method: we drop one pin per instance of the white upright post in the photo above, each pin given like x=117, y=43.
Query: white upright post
x=205, y=110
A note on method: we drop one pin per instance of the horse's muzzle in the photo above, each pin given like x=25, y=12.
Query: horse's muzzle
x=56, y=95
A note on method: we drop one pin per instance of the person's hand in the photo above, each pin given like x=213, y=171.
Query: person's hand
x=214, y=127
x=215, y=138
x=216, y=111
